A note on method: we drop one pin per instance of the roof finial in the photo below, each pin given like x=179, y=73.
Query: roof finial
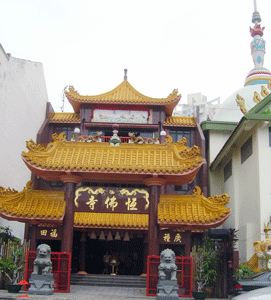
x=125, y=74
x=255, y=5
x=257, y=46
x=256, y=18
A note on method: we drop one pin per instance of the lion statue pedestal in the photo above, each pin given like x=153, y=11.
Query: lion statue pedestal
x=41, y=280
x=167, y=287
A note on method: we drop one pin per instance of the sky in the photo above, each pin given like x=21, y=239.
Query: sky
x=190, y=45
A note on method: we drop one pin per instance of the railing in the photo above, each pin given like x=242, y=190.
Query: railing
x=106, y=139
x=61, y=270
x=124, y=140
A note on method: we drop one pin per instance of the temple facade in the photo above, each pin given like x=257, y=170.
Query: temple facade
x=118, y=176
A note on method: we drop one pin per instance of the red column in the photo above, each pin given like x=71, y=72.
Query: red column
x=187, y=246
x=155, y=184
x=68, y=222
x=33, y=243
x=82, y=257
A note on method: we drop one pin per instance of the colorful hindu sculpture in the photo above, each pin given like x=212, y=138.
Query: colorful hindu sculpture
x=259, y=261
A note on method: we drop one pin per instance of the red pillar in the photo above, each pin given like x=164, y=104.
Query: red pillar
x=82, y=257
x=33, y=243
x=68, y=222
x=155, y=184
x=187, y=246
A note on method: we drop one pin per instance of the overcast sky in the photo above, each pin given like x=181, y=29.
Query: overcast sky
x=192, y=45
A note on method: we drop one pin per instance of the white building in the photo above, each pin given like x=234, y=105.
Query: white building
x=238, y=150
x=23, y=101
x=207, y=109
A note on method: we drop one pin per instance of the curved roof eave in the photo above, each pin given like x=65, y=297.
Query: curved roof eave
x=124, y=93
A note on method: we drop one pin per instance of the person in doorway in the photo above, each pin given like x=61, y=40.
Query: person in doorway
x=106, y=259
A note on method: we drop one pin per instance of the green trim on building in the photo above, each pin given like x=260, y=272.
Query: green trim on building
x=218, y=125
x=257, y=112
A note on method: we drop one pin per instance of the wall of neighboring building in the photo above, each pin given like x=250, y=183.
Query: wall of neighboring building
x=23, y=97
x=264, y=173
x=248, y=198
x=231, y=187
x=248, y=188
x=243, y=188
x=216, y=141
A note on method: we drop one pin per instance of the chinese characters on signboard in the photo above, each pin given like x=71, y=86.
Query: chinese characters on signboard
x=119, y=200
x=49, y=233
x=171, y=238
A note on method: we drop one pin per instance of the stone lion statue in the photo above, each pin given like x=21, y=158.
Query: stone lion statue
x=43, y=264
x=167, y=267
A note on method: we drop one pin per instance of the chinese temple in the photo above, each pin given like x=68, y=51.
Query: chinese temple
x=119, y=175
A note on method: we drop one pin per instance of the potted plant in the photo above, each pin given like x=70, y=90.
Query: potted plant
x=243, y=272
x=12, y=263
x=205, y=262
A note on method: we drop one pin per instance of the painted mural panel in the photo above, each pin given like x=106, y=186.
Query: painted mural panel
x=120, y=116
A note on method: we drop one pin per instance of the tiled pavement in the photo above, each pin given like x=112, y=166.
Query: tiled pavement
x=78, y=292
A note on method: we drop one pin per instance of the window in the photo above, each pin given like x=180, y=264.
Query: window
x=177, y=135
x=68, y=131
x=246, y=150
x=92, y=132
x=146, y=134
x=55, y=183
x=181, y=189
x=228, y=171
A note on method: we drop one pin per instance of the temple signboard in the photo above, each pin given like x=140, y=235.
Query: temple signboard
x=49, y=233
x=111, y=200
x=170, y=237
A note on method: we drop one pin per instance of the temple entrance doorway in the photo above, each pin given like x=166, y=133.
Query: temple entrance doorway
x=129, y=256
x=179, y=250
x=54, y=244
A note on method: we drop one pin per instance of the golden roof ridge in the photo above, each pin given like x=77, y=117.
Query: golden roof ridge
x=196, y=209
x=124, y=93
x=180, y=121
x=30, y=204
x=64, y=117
x=147, y=158
x=111, y=220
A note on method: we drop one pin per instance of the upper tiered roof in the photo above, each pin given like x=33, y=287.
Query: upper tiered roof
x=180, y=121
x=175, y=162
x=63, y=117
x=124, y=93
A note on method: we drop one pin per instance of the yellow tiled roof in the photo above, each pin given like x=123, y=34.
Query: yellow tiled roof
x=170, y=158
x=48, y=207
x=111, y=220
x=124, y=93
x=193, y=209
x=31, y=204
x=180, y=121
x=61, y=117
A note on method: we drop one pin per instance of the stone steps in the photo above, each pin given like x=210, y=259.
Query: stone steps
x=108, y=280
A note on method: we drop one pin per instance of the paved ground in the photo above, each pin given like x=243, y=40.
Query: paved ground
x=86, y=293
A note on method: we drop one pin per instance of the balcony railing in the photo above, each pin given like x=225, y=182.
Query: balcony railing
x=106, y=139
x=124, y=140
